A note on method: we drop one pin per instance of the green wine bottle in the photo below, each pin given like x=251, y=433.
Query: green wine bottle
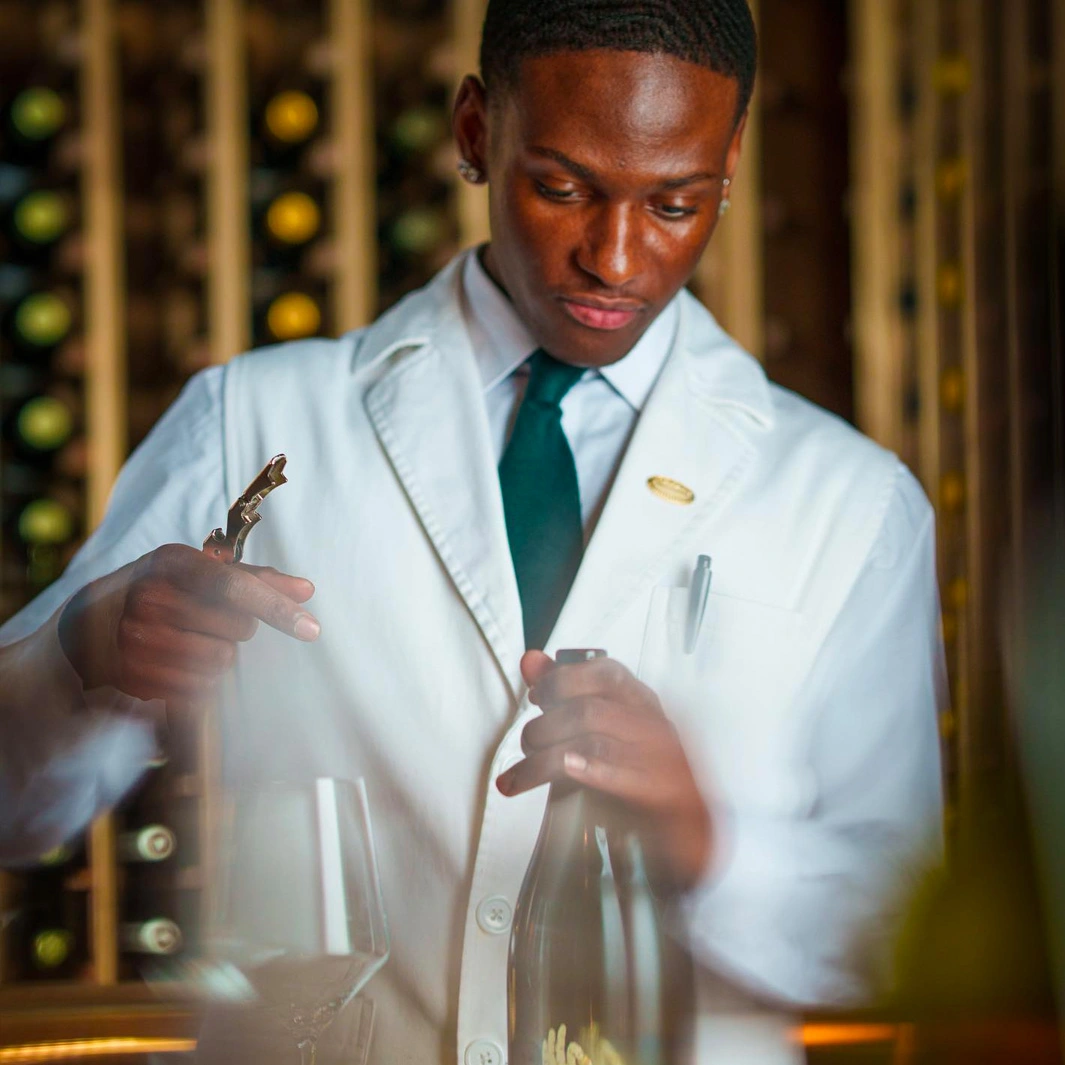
x=41, y=426
x=40, y=321
x=591, y=972
x=39, y=218
x=31, y=121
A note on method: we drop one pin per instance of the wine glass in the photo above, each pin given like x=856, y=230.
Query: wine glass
x=297, y=910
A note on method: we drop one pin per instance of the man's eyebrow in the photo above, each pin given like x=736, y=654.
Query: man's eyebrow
x=563, y=160
x=587, y=174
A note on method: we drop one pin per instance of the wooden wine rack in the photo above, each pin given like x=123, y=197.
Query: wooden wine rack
x=978, y=428
x=107, y=1000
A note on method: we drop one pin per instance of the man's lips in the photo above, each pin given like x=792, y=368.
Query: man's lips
x=599, y=314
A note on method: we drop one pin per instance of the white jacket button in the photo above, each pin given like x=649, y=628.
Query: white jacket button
x=483, y=1052
x=494, y=914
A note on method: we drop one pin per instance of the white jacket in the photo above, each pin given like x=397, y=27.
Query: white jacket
x=808, y=708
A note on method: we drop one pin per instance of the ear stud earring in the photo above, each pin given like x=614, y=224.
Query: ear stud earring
x=471, y=173
x=725, y=205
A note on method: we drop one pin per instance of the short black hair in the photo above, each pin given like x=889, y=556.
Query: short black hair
x=718, y=34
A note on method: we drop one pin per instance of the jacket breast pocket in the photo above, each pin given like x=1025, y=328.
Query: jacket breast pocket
x=734, y=697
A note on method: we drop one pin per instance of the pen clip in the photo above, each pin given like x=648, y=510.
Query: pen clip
x=697, y=596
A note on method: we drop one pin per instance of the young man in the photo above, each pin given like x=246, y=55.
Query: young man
x=459, y=495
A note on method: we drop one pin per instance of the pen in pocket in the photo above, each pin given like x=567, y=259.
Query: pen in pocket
x=697, y=595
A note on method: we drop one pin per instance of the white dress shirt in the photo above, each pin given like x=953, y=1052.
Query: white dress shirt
x=598, y=413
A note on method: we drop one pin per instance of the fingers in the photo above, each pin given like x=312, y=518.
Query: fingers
x=560, y=762
x=591, y=715
x=298, y=589
x=188, y=652
x=237, y=588
x=534, y=666
x=603, y=763
x=169, y=607
x=602, y=677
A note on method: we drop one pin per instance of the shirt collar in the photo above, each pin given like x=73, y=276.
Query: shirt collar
x=501, y=341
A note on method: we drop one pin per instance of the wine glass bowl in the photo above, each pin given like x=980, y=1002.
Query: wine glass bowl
x=298, y=908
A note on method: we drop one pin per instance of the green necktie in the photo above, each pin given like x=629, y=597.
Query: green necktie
x=541, y=500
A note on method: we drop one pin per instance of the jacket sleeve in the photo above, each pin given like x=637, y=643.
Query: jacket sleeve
x=801, y=910
x=67, y=754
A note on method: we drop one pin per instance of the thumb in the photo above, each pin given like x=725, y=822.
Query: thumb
x=535, y=665
x=298, y=589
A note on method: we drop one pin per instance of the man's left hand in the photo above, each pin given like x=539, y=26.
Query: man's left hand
x=604, y=729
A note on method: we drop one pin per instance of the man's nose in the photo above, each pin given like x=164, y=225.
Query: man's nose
x=610, y=251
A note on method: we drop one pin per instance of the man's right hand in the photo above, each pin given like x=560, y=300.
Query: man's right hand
x=167, y=625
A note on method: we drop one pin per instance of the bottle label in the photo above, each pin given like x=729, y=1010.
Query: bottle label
x=590, y=1048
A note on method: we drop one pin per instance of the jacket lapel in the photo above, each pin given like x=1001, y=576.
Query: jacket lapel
x=427, y=409
x=701, y=427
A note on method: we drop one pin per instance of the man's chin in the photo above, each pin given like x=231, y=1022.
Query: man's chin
x=584, y=346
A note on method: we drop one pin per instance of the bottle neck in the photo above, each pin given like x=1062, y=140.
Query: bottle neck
x=574, y=813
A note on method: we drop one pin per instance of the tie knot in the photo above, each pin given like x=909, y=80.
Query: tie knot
x=549, y=379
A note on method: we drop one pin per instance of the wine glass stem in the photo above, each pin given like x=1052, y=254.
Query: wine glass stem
x=308, y=1049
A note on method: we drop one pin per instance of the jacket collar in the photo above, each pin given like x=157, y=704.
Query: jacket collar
x=718, y=367
x=424, y=397
x=502, y=342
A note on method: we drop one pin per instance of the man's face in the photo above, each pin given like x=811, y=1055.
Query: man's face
x=605, y=173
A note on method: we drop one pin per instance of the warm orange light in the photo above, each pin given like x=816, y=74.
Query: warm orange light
x=828, y=1035
x=94, y=1048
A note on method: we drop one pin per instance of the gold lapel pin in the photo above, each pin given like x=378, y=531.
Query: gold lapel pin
x=671, y=491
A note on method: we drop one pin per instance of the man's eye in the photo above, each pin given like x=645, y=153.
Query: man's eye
x=672, y=210
x=555, y=194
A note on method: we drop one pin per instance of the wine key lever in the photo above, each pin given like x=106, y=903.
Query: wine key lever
x=228, y=546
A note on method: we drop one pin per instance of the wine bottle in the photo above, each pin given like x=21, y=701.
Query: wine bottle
x=15, y=182
x=293, y=316
x=46, y=529
x=51, y=948
x=419, y=231
x=46, y=522
x=292, y=219
x=39, y=322
x=290, y=120
x=152, y=843
x=157, y=935
x=37, y=221
x=418, y=129
x=586, y=979
x=50, y=932
x=31, y=121
x=41, y=426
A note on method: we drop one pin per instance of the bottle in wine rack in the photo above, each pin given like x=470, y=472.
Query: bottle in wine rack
x=31, y=121
x=41, y=426
x=46, y=528
x=37, y=221
x=51, y=950
x=152, y=843
x=46, y=522
x=39, y=322
x=290, y=120
x=293, y=316
x=419, y=231
x=157, y=935
x=587, y=975
x=418, y=129
x=49, y=932
x=292, y=219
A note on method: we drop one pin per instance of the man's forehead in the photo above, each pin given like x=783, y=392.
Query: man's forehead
x=642, y=96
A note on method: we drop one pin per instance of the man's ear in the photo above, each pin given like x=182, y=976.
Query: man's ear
x=469, y=123
x=735, y=148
